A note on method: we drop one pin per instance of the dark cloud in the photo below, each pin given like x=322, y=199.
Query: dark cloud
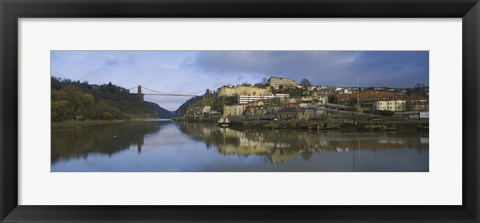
x=343, y=68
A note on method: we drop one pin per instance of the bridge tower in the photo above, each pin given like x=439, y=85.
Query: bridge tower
x=139, y=92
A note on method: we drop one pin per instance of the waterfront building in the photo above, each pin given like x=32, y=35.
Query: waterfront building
x=214, y=114
x=397, y=105
x=293, y=114
x=233, y=110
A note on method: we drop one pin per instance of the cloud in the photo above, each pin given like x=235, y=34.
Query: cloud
x=385, y=68
x=114, y=60
x=195, y=71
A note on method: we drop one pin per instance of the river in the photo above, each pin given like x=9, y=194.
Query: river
x=167, y=146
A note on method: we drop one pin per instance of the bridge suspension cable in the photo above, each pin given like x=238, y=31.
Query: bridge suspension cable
x=154, y=90
x=164, y=93
x=196, y=92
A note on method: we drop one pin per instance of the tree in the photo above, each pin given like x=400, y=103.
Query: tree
x=305, y=83
x=107, y=101
x=419, y=89
x=60, y=111
x=419, y=85
x=331, y=98
x=354, y=102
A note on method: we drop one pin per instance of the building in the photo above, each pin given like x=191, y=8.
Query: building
x=291, y=103
x=233, y=110
x=206, y=109
x=243, y=90
x=367, y=98
x=417, y=104
x=196, y=112
x=245, y=99
x=321, y=99
x=293, y=114
x=255, y=111
x=397, y=105
x=278, y=82
x=306, y=99
x=213, y=114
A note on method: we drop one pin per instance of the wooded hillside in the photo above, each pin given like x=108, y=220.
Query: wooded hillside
x=74, y=99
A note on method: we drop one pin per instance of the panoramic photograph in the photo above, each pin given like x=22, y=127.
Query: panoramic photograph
x=239, y=111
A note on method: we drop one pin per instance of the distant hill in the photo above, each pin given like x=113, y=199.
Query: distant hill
x=162, y=113
x=74, y=99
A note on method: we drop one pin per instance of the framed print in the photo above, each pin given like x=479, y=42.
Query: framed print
x=208, y=110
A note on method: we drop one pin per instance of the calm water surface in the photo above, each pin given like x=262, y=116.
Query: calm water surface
x=146, y=146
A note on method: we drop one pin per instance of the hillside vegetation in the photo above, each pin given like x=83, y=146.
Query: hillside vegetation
x=74, y=99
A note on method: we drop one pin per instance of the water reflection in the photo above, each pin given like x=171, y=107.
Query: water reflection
x=176, y=147
x=284, y=145
x=80, y=141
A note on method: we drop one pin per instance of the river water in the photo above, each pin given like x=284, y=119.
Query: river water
x=167, y=146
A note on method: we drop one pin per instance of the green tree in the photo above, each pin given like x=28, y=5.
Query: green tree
x=331, y=98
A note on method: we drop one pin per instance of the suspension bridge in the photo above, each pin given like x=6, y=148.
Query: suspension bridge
x=147, y=91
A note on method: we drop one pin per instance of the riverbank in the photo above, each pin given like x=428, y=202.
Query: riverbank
x=332, y=124
x=338, y=125
x=70, y=124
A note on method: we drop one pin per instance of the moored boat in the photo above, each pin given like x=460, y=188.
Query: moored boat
x=223, y=122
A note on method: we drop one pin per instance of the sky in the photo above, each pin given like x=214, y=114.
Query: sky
x=190, y=72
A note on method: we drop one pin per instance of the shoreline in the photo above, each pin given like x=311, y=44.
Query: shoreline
x=324, y=125
x=330, y=125
x=365, y=126
x=75, y=123
x=64, y=124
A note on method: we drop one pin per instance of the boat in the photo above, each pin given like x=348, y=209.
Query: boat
x=223, y=122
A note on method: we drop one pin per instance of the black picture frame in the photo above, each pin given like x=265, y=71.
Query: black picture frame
x=12, y=10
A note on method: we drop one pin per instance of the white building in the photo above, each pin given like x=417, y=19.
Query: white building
x=206, y=109
x=242, y=90
x=397, y=105
x=244, y=99
x=322, y=99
